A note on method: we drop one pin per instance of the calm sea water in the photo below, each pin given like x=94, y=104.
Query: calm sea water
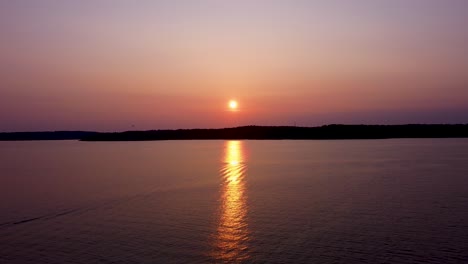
x=369, y=201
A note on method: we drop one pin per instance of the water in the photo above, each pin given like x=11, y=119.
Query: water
x=369, y=201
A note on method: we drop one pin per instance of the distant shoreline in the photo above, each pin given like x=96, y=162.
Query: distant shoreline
x=45, y=135
x=328, y=132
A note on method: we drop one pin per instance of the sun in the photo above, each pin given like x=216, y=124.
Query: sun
x=233, y=104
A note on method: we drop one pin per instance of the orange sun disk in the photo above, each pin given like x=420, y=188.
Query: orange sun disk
x=232, y=104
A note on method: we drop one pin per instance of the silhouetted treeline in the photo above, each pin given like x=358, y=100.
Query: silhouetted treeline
x=55, y=135
x=284, y=132
x=257, y=132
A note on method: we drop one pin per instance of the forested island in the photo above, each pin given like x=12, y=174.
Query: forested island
x=292, y=132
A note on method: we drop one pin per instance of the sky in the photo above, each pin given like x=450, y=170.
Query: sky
x=135, y=65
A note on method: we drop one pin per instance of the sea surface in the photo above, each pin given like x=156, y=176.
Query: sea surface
x=343, y=201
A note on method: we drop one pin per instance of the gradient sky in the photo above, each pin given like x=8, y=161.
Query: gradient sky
x=122, y=65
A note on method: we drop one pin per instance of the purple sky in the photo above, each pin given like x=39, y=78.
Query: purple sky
x=112, y=65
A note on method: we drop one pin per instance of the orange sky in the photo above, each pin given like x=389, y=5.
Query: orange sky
x=119, y=65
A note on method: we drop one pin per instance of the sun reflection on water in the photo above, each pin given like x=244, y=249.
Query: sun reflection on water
x=232, y=234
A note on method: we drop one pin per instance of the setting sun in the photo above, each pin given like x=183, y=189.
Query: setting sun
x=233, y=105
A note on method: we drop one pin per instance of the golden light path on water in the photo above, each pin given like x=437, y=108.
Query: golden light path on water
x=232, y=234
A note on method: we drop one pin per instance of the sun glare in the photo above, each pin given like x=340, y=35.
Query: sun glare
x=233, y=105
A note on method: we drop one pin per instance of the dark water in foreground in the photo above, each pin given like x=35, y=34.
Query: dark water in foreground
x=370, y=201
